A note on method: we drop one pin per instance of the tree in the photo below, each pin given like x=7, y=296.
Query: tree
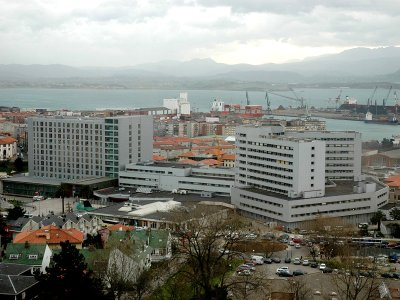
x=69, y=278
x=204, y=249
x=395, y=213
x=119, y=268
x=62, y=192
x=19, y=164
x=377, y=218
x=353, y=283
x=16, y=212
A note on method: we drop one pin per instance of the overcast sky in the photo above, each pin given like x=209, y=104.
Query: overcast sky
x=130, y=32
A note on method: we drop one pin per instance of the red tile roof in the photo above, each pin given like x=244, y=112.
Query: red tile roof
x=7, y=140
x=50, y=235
x=158, y=157
x=210, y=162
x=121, y=227
x=393, y=181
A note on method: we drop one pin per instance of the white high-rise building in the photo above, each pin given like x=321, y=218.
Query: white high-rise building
x=180, y=106
x=291, y=177
x=74, y=148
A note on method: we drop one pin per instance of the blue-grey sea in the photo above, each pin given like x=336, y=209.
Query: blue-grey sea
x=91, y=99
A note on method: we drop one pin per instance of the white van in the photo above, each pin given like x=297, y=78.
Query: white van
x=258, y=260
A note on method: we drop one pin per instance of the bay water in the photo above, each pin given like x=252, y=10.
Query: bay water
x=97, y=99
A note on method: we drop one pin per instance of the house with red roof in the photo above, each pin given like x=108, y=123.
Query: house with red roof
x=8, y=148
x=50, y=235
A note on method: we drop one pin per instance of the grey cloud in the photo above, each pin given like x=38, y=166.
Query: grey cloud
x=297, y=7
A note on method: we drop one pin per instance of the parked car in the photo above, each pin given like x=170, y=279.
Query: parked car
x=291, y=243
x=276, y=260
x=306, y=262
x=244, y=272
x=396, y=275
x=299, y=272
x=322, y=266
x=313, y=264
x=251, y=236
x=297, y=261
x=288, y=260
x=387, y=275
x=282, y=269
x=267, y=260
x=285, y=274
x=297, y=246
x=327, y=270
x=246, y=267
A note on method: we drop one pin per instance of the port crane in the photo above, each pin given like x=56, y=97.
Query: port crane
x=369, y=102
x=387, y=97
x=302, y=101
x=247, y=98
x=298, y=99
x=269, y=110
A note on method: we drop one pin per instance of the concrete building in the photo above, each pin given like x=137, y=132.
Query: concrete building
x=293, y=177
x=176, y=176
x=180, y=106
x=74, y=148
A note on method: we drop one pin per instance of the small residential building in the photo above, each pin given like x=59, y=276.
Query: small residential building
x=393, y=182
x=50, y=235
x=8, y=148
x=36, y=256
x=158, y=240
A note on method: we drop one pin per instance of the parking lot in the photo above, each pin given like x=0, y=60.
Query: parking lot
x=269, y=270
x=44, y=207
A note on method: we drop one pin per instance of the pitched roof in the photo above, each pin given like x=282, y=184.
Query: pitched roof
x=157, y=238
x=210, y=162
x=227, y=156
x=187, y=154
x=15, y=284
x=31, y=255
x=7, y=140
x=121, y=227
x=50, y=235
x=158, y=157
x=13, y=268
x=188, y=161
x=393, y=181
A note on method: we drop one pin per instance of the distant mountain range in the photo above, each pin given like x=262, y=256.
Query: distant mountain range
x=356, y=66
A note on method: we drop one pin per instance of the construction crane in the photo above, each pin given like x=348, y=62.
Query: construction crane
x=387, y=97
x=301, y=100
x=371, y=97
x=269, y=110
x=337, y=99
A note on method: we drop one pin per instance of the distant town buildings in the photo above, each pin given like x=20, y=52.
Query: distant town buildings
x=179, y=106
x=74, y=148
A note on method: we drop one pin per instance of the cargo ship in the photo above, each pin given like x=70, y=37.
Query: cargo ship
x=385, y=121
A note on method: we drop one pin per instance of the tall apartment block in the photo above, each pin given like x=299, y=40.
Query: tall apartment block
x=75, y=148
x=291, y=177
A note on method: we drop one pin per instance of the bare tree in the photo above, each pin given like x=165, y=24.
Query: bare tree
x=354, y=282
x=204, y=248
x=299, y=288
